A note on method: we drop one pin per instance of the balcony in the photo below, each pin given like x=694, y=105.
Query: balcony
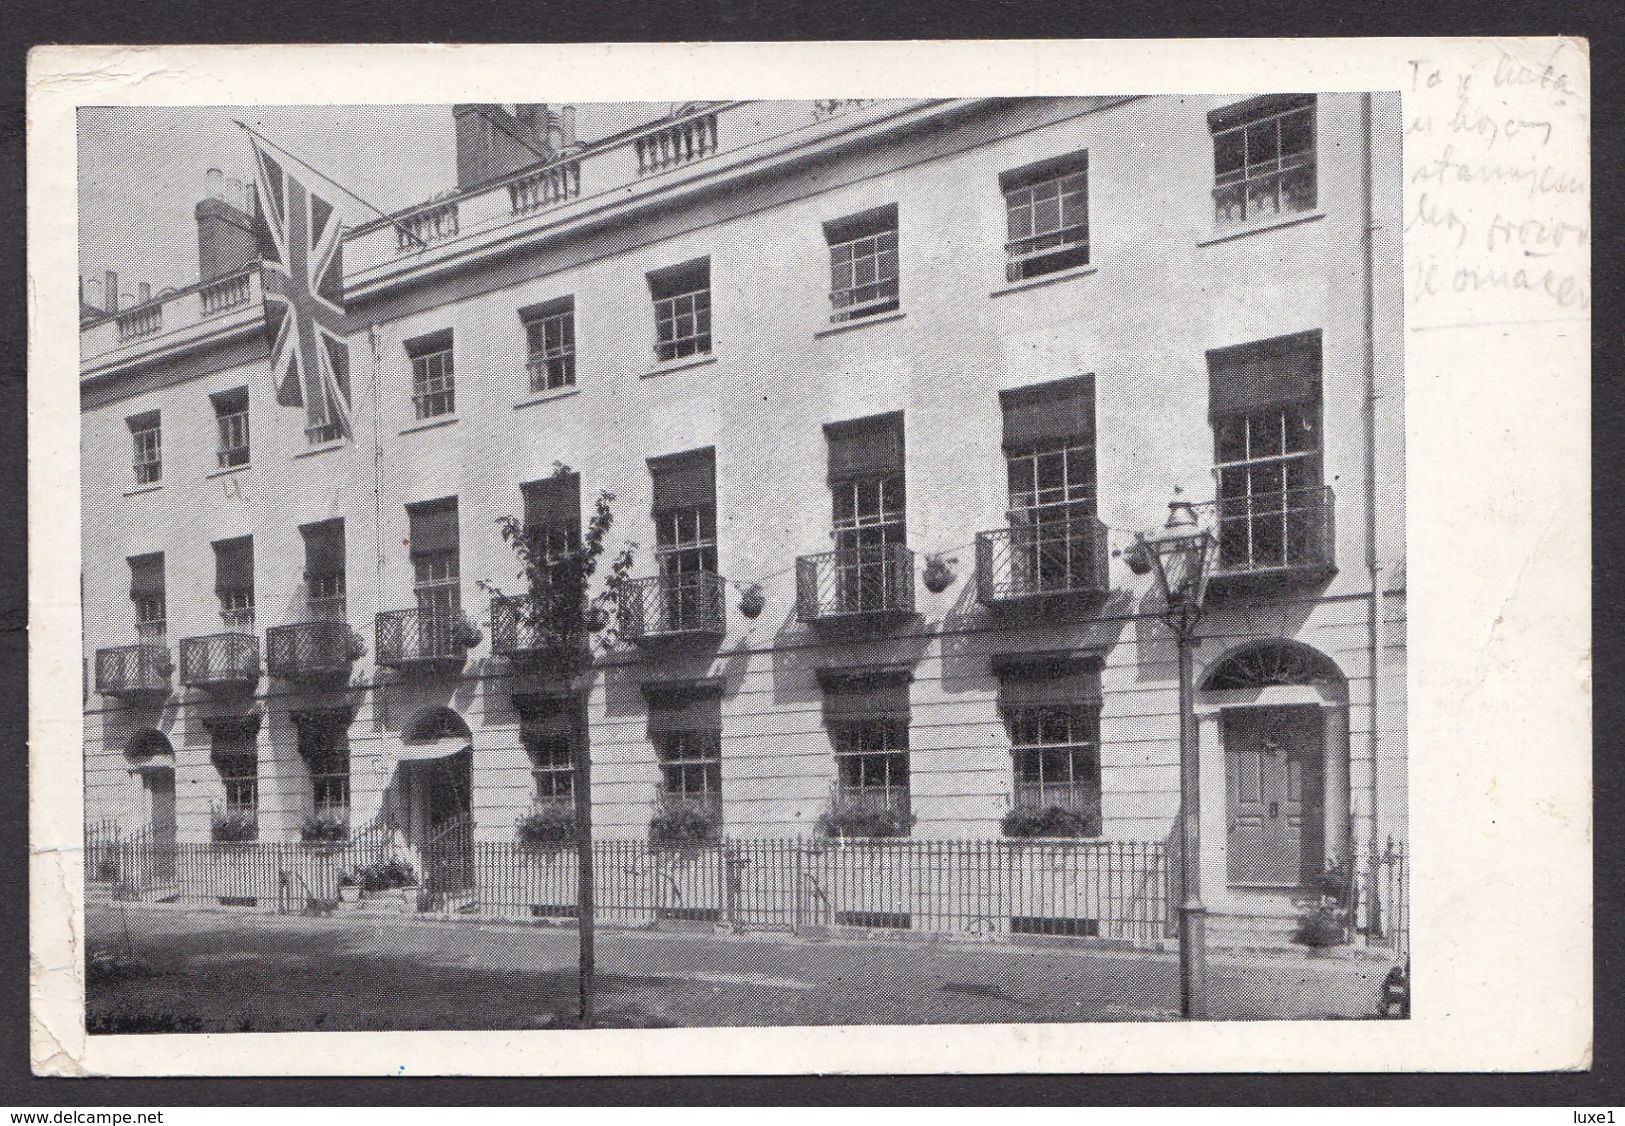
x=1274, y=539
x=312, y=652
x=515, y=632
x=425, y=640
x=861, y=585
x=221, y=662
x=674, y=608
x=1030, y=563
x=138, y=674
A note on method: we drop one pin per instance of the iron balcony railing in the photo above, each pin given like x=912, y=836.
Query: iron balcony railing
x=424, y=636
x=515, y=632
x=673, y=606
x=1284, y=534
x=220, y=661
x=134, y=672
x=855, y=583
x=311, y=650
x=1041, y=560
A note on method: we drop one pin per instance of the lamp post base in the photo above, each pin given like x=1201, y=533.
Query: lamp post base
x=1193, y=961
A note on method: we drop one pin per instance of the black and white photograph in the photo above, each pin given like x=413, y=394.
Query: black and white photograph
x=844, y=561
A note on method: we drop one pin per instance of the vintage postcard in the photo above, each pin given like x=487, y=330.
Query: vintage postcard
x=693, y=573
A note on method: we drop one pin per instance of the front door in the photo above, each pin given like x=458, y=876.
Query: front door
x=448, y=853
x=160, y=786
x=1274, y=778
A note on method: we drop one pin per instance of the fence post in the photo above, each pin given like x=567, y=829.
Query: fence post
x=799, y=887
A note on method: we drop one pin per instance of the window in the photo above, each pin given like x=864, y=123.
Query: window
x=325, y=749
x=871, y=760
x=434, y=386
x=239, y=772
x=549, y=734
x=231, y=421
x=682, y=300
x=147, y=596
x=1046, y=216
x=1056, y=752
x=553, y=513
x=685, y=518
x=550, y=333
x=1050, y=456
x=1265, y=403
x=147, y=437
x=234, y=583
x=685, y=725
x=324, y=570
x=863, y=264
x=691, y=767
x=1263, y=158
x=868, y=512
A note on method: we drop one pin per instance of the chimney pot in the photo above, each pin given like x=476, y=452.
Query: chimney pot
x=567, y=122
x=213, y=183
x=93, y=293
x=112, y=292
x=143, y=293
x=234, y=192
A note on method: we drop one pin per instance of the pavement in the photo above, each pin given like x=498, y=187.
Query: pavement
x=201, y=970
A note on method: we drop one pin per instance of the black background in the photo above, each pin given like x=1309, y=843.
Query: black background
x=24, y=25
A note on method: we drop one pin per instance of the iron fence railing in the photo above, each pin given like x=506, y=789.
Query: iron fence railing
x=855, y=583
x=674, y=605
x=1382, y=892
x=220, y=660
x=1028, y=560
x=134, y=671
x=424, y=635
x=987, y=888
x=311, y=650
x=1271, y=533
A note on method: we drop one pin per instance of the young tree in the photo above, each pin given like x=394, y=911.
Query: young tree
x=560, y=616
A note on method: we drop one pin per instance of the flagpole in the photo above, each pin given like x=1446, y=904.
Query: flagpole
x=252, y=132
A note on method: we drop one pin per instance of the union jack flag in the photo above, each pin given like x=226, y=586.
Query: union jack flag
x=302, y=263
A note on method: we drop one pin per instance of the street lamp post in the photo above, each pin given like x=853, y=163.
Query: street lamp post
x=1180, y=554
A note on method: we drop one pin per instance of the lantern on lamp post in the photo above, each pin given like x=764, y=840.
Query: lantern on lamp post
x=1180, y=556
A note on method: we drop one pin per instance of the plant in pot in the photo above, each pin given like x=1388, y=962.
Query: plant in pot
x=233, y=826
x=349, y=886
x=681, y=824
x=752, y=600
x=466, y=634
x=1326, y=921
x=324, y=828
x=389, y=879
x=939, y=573
x=547, y=828
x=843, y=820
x=1048, y=821
x=356, y=646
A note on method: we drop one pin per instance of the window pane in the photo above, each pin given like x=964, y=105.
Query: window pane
x=1230, y=438
x=1265, y=434
x=1229, y=154
x=1262, y=144
x=1298, y=131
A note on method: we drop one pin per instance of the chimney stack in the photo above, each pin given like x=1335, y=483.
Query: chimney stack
x=492, y=142
x=112, y=292
x=225, y=228
x=567, y=125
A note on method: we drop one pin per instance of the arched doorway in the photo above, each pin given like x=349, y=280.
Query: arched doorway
x=437, y=781
x=1281, y=710
x=151, y=759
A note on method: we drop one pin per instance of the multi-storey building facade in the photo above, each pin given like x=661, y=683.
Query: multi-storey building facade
x=882, y=391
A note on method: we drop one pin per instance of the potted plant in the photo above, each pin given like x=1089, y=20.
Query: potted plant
x=684, y=825
x=356, y=647
x=1325, y=921
x=466, y=634
x=865, y=821
x=752, y=601
x=546, y=828
x=1047, y=821
x=939, y=573
x=392, y=883
x=234, y=826
x=324, y=828
x=349, y=886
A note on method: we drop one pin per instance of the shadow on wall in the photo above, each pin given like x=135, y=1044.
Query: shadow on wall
x=400, y=699
x=974, y=634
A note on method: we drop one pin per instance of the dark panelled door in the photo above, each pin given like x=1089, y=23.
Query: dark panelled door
x=161, y=798
x=1274, y=782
